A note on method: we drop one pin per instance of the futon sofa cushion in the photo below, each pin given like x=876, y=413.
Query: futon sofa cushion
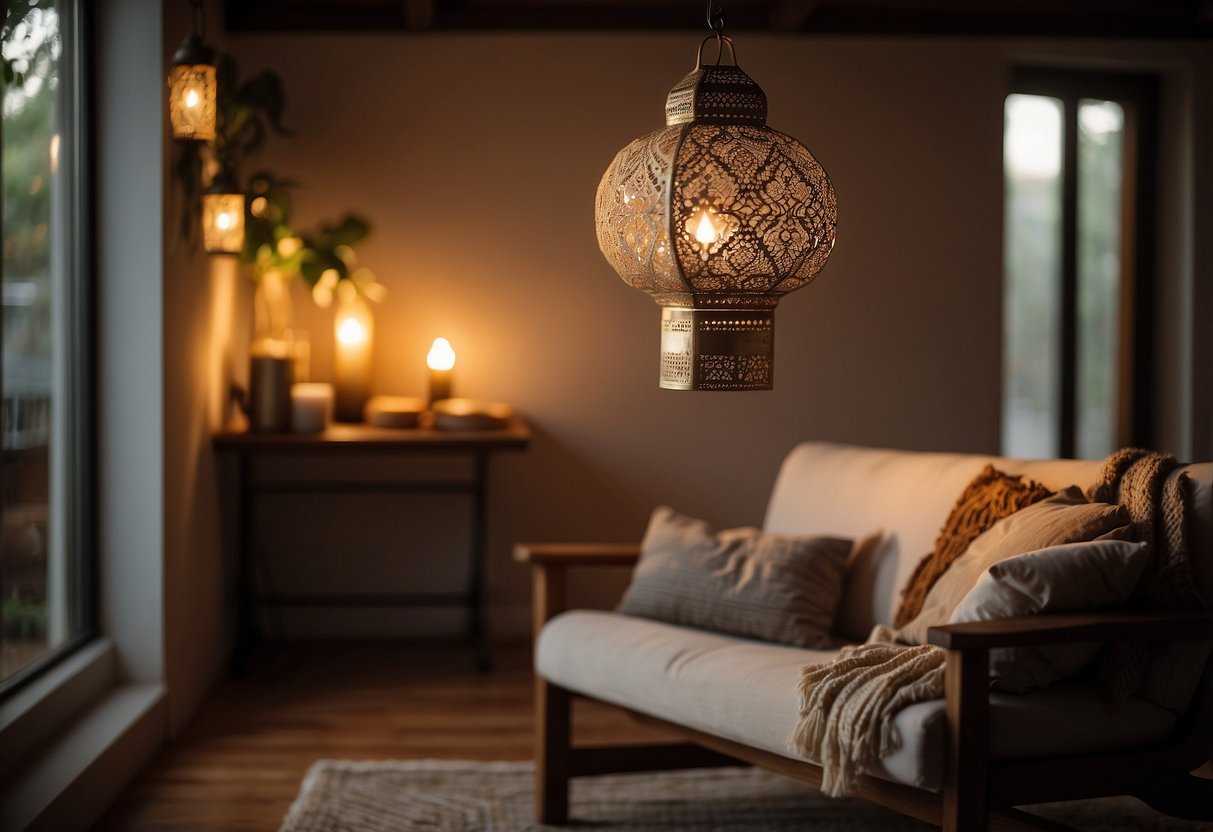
x=746, y=691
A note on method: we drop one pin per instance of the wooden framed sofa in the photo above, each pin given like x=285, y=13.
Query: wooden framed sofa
x=966, y=761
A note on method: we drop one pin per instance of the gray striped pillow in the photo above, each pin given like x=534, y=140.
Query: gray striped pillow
x=744, y=582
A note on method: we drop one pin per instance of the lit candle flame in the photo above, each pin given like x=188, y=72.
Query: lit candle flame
x=351, y=332
x=441, y=356
x=191, y=98
x=705, y=232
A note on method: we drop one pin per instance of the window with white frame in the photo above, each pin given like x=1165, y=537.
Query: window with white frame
x=46, y=586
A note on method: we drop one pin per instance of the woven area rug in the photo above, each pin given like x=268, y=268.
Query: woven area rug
x=341, y=796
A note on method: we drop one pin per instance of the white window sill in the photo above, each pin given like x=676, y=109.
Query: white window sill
x=64, y=779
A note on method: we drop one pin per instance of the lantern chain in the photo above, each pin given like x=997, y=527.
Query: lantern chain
x=199, y=18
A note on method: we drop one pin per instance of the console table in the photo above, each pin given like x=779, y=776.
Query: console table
x=478, y=445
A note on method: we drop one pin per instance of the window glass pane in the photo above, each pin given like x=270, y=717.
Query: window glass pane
x=37, y=594
x=1032, y=148
x=1100, y=179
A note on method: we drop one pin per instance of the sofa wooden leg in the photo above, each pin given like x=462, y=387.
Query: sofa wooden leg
x=552, y=736
x=967, y=688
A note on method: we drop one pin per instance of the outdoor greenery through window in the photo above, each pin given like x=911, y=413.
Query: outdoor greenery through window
x=43, y=580
x=1078, y=228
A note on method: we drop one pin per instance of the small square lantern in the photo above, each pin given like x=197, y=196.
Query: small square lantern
x=223, y=216
x=192, y=88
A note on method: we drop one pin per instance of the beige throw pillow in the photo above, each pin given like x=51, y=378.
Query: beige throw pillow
x=744, y=582
x=1065, y=517
x=1067, y=578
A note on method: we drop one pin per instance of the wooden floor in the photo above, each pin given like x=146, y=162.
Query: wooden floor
x=239, y=764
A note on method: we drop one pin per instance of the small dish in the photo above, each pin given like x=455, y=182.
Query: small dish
x=470, y=414
x=394, y=411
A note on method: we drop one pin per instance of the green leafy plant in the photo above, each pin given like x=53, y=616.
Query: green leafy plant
x=322, y=258
x=24, y=618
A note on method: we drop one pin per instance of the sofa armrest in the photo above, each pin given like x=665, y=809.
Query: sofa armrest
x=551, y=561
x=577, y=554
x=1067, y=628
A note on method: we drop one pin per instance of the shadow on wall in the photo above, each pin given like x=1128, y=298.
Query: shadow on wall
x=585, y=503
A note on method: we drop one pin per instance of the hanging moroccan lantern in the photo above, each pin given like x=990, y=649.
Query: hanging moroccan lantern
x=717, y=216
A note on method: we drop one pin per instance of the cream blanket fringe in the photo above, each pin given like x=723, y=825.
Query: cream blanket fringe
x=847, y=705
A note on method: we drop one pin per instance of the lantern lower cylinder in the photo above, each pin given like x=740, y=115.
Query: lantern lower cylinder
x=717, y=349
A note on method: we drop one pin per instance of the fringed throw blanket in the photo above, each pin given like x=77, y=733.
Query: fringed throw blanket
x=847, y=706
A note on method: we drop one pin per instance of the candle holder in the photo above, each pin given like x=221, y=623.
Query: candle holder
x=270, y=370
x=353, y=333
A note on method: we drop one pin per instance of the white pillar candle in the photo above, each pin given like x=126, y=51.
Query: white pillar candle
x=310, y=407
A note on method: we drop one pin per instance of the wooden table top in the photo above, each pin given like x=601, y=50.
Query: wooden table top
x=514, y=435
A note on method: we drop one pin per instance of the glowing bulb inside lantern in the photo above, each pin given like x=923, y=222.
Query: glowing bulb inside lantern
x=351, y=332
x=705, y=231
x=224, y=221
x=441, y=356
x=191, y=98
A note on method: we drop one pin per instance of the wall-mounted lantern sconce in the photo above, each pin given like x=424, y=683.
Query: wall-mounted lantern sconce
x=223, y=216
x=191, y=85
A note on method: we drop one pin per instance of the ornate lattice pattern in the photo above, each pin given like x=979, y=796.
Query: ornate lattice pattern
x=779, y=197
x=191, y=101
x=734, y=372
x=633, y=230
x=716, y=95
x=774, y=202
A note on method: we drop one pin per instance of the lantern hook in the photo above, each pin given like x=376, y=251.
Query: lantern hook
x=722, y=41
x=716, y=16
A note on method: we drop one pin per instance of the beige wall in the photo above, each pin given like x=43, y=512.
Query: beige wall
x=199, y=295
x=477, y=157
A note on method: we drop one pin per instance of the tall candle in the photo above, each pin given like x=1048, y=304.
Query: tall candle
x=441, y=361
x=353, y=329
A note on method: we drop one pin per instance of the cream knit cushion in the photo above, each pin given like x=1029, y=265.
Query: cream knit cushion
x=745, y=582
x=1067, y=578
x=1066, y=517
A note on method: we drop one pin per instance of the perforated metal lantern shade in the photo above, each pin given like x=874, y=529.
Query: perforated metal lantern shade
x=223, y=217
x=716, y=216
x=192, y=91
